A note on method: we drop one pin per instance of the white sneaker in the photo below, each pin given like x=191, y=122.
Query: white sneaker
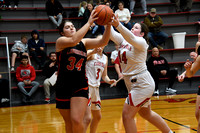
x=3, y=100
x=145, y=12
x=156, y=92
x=12, y=69
x=170, y=90
x=132, y=13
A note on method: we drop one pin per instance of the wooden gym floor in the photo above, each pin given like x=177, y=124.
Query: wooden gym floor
x=177, y=110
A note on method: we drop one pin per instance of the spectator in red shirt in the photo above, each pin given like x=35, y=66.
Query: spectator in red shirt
x=25, y=75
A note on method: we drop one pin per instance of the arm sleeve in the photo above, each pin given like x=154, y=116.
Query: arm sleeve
x=33, y=75
x=48, y=10
x=18, y=75
x=159, y=22
x=42, y=43
x=29, y=43
x=137, y=42
x=116, y=37
x=60, y=7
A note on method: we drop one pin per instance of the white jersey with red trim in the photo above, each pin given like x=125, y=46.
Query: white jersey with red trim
x=132, y=60
x=95, y=68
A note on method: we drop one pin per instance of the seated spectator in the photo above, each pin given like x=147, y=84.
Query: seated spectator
x=87, y=12
x=143, y=4
x=107, y=3
x=159, y=68
x=8, y=5
x=25, y=75
x=114, y=54
x=155, y=35
x=36, y=47
x=94, y=27
x=50, y=71
x=123, y=15
x=4, y=87
x=19, y=48
x=182, y=5
x=82, y=7
x=54, y=11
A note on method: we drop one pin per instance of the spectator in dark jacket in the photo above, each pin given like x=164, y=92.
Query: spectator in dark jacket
x=37, y=48
x=154, y=23
x=25, y=75
x=159, y=68
x=54, y=10
x=50, y=71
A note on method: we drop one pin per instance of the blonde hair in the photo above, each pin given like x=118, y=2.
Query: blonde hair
x=82, y=4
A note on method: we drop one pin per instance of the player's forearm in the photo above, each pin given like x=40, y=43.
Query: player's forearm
x=106, y=79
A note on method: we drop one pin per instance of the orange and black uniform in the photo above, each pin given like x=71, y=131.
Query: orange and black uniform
x=71, y=81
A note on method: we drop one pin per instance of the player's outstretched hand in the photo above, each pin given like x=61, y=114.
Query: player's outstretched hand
x=93, y=17
x=114, y=21
x=181, y=77
x=188, y=64
x=113, y=81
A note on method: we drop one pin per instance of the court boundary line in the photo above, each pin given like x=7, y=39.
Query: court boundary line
x=179, y=124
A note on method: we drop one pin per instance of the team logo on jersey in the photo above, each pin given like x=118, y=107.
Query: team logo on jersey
x=76, y=51
x=99, y=64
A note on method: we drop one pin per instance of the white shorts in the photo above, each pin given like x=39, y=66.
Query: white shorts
x=94, y=98
x=140, y=88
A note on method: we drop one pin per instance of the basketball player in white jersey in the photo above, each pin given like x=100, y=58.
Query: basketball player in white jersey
x=96, y=68
x=132, y=55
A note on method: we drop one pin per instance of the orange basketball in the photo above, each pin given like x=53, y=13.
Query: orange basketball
x=104, y=14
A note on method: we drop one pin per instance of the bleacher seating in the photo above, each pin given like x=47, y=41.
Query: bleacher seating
x=31, y=15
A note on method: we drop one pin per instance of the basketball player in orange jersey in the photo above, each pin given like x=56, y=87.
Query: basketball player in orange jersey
x=71, y=84
x=96, y=68
x=132, y=55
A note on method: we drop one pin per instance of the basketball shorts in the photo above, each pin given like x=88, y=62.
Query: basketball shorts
x=140, y=88
x=94, y=98
x=63, y=97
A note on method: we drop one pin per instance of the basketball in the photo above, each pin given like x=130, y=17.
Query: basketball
x=104, y=14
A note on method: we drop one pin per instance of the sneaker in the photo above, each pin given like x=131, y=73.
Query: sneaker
x=159, y=47
x=146, y=13
x=3, y=100
x=12, y=69
x=170, y=90
x=156, y=92
x=132, y=13
x=47, y=100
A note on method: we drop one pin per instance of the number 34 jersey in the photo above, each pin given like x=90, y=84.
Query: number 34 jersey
x=95, y=68
x=71, y=66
